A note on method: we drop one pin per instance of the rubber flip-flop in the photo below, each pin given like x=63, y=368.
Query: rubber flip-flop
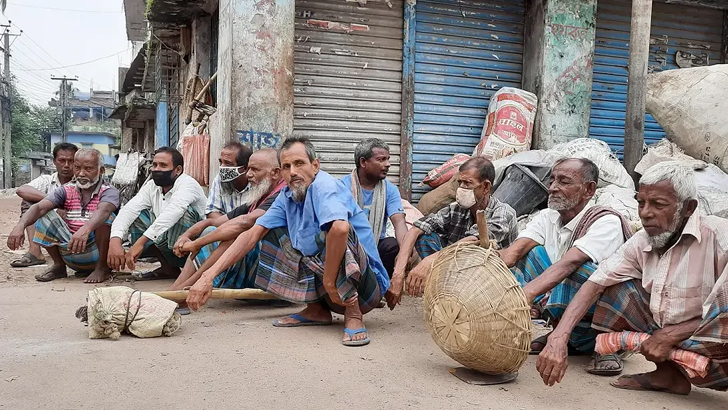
x=26, y=261
x=302, y=321
x=605, y=358
x=183, y=311
x=352, y=333
x=643, y=384
x=150, y=275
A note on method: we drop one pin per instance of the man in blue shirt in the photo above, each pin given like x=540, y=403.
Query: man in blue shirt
x=317, y=247
x=378, y=197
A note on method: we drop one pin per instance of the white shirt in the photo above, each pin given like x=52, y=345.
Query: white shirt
x=46, y=183
x=167, y=208
x=602, y=239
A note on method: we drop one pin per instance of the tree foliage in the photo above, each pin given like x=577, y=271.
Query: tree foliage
x=30, y=123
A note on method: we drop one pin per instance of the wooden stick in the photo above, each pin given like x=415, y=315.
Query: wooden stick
x=181, y=295
x=482, y=229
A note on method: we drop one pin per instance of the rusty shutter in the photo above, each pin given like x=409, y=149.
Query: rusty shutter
x=348, y=78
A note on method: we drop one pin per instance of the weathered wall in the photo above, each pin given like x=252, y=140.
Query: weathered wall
x=563, y=67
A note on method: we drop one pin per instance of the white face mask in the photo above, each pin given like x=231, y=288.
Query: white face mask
x=465, y=198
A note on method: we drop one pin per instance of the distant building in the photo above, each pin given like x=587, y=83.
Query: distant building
x=102, y=141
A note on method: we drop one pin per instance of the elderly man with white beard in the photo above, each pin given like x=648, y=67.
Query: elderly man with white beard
x=80, y=239
x=561, y=247
x=215, y=235
x=670, y=280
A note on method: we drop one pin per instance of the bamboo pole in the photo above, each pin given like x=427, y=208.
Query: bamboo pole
x=181, y=295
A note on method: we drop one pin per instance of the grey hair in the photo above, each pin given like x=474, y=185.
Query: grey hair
x=589, y=170
x=365, y=149
x=288, y=143
x=91, y=151
x=681, y=177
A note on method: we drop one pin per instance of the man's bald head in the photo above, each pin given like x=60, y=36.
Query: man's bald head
x=268, y=155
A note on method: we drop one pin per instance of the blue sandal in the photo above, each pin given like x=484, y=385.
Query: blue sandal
x=302, y=321
x=352, y=333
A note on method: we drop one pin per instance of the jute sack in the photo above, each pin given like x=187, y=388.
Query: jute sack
x=439, y=197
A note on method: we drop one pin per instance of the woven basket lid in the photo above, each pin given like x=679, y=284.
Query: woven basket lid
x=476, y=310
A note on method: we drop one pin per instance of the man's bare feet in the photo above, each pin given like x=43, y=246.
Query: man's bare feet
x=314, y=313
x=667, y=378
x=98, y=275
x=55, y=272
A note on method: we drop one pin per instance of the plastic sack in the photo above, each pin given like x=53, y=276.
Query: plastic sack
x=439, y=175
x=145, y=314
x=691, y=105
x=196, y=152
x=611, y=171
x=620, y=199
x=509, y=125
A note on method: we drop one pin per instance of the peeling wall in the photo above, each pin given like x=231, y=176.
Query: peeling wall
x=563, y=68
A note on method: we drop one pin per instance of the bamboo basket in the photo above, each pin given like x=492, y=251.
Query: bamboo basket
x=475, y=309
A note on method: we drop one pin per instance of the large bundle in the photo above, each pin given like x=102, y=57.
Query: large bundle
x=509, y=125
x=118, y=309
x=476, y=311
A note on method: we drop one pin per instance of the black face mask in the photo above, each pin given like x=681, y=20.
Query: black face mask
x=163, y=178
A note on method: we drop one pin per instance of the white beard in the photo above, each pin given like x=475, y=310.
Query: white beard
x=256, y=192
x=661, y=240
x=88, y=184
x=562, y=204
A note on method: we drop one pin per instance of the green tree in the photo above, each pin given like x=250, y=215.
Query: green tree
x=29, y=124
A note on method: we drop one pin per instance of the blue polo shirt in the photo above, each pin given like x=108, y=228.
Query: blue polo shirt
x=394, y=201
x=327, y=200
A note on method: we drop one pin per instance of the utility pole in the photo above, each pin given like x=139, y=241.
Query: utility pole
x=6, y=110
x=64, y=103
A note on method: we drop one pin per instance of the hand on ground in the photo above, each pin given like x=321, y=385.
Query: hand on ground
x=553, y=361
x=200, y=292
x=117, y=257
x=394, y=293
x=16, y=238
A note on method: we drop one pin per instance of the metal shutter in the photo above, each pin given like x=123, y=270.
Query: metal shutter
x=348, y=78
x=689, y=29
x=465, y=51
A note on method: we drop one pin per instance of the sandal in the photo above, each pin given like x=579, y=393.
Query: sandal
x=50, y=275
x=151, y=275
x=542, y=340
x=352, y=333
x=27, y=260
x=598, y=359
x=642, y=384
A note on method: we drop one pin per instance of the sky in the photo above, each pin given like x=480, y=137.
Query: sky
x=87, y=35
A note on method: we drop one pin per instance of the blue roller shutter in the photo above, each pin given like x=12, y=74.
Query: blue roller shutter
x=465, y=50
x=696, y=31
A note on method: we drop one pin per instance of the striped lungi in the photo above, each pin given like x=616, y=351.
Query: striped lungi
x=285, y=272
x=428, y=244
x=52, y=230
x=626, y=306
x=240, y=275
x=583, y=337
x=165, y=242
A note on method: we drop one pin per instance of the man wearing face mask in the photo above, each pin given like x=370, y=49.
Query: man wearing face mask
x=81, y=239
x=229, y=187
x=201, y=241
x=453, y=223
x=165, y=207
x=561, y=247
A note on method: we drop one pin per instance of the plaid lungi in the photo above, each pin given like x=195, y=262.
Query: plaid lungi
x=583, y=337
x=626, y=306
x=52, y=230
x=165, y=242
x=428, y=244
x=240, y=275
x=285, y=272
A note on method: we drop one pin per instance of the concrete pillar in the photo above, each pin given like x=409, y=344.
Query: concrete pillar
x=558, y=57
x=127, y=134
x=255, y=71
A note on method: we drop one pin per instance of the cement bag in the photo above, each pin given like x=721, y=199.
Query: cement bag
x=439, y=197
x=691, y=105
x=509, y=125
x=611, y=170
x=196, y=152
x=439, y=175
x=116, y=309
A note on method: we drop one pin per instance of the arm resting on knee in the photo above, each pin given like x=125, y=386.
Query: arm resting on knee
x=229, y=230
x=518, y=249
x=405, y=250
x=336, y=242
x=237, y=251
x=30, y=194
x=575, y=311
x=556, y=273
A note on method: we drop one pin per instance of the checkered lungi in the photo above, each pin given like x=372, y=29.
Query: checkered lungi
x=240, y=275
x=428, y=244
x=285, y=272
x=583, y=337
x=165, y=242
x=52, y=230
x=626, y=306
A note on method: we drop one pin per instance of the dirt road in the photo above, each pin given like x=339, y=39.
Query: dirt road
x=228, y=356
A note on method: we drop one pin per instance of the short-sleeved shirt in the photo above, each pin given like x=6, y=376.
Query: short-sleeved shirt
x=327, y=200
x=394, y=201
x=601, y=240
x=46, y=183
x=223, y=197
x=453, y=223
x=68, y=197
x=244, y=209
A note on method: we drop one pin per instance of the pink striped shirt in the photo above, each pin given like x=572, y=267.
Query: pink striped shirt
x=68, y=197
x=682, y=282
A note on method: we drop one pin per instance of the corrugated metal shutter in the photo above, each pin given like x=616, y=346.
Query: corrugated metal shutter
x=689, y=29
x=348, y=78
x=465, y=51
